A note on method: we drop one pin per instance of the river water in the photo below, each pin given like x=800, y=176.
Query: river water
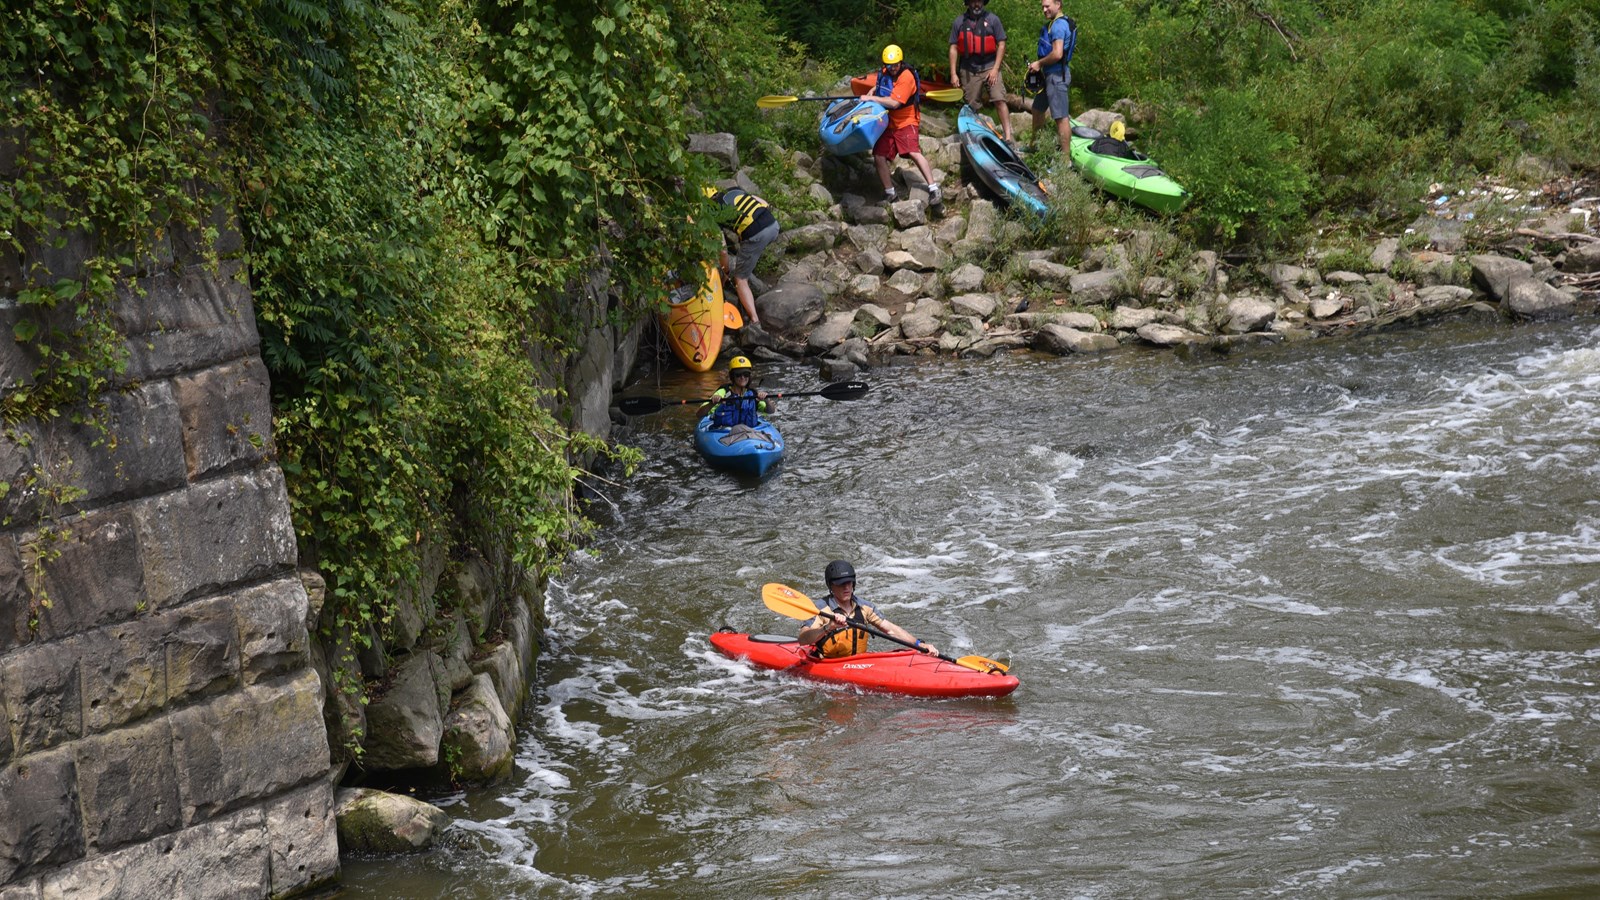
x=1315, y=621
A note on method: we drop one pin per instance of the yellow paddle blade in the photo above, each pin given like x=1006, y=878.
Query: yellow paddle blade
x=945, y=95
x=730, y=316
x=773, y=101
x=983, y=664
x=786, y=601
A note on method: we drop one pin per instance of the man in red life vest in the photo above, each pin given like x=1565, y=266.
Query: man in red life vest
x=977, y=48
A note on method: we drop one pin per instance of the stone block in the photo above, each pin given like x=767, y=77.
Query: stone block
x=478, y=737
x=40, y=822
x=147, y=457
x=89, y=572
x=302, y=839
x=202, y=641
x=248, y=745
x=188, y=319
x=16, y=598
x=214, y=535
x=18, y=458
x=127, y=785
x=380, y=822
x=226, y=858
x=226, y=414
x=43, y=698
x=124, y=674
x=23, y=890
x=272, y=629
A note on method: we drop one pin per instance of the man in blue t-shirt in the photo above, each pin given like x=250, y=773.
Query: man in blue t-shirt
x=1056, y=43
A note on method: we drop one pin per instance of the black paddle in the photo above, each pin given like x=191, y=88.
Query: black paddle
x=839, y=390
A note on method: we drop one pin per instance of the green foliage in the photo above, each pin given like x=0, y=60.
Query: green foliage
x=1255, y=184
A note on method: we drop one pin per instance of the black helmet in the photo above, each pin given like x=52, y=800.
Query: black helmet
x=1033, y=82
x=837, y=572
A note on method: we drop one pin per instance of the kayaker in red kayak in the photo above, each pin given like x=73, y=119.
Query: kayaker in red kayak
x=831, y=630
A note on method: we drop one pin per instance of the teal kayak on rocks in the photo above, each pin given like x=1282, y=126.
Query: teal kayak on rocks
x=1116, y=168
x=998, y=167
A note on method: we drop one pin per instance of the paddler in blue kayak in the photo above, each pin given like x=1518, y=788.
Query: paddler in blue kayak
x=737, y=403
x=831, y=630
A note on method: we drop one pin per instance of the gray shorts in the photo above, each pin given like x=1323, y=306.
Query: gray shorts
x=1054, y=95
x=749, y=251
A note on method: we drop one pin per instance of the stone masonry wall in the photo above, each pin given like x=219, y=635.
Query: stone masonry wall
x=161, y=730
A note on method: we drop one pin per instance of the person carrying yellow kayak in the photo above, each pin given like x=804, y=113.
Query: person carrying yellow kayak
x=897, y=88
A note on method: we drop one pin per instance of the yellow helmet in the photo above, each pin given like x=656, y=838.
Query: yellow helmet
x=738, y=362
x=892, y=54
x=709, y=191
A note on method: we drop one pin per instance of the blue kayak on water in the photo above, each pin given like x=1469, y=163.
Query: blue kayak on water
x=998, y=167
x=852, y=126
x=742, y=448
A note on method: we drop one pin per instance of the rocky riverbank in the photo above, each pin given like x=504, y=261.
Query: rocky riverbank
x=853, y=281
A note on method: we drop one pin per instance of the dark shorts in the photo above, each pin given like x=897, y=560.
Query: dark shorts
x=750, y=249
x=1054, y=95
x=897, y=142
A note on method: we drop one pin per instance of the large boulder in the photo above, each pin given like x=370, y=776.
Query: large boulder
x=1097, y=288
x=721, y=147
x=380, y=822
x=405, y=724
x=1581, y=259
x=1494, y=273
x=1246, y=314
x=1534, y=299
x=1061, y=339
x=791, y=307
x=477, y=742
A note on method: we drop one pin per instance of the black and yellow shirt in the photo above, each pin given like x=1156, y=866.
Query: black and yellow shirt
x=751, y=213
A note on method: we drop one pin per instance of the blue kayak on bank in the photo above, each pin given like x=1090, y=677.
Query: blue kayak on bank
x=852, y=126
x=742, y=448
x=998, y=167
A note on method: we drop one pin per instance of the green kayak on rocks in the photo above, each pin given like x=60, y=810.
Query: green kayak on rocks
x=1115, y=167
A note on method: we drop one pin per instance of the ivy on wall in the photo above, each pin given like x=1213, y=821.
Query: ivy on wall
x=422, y=187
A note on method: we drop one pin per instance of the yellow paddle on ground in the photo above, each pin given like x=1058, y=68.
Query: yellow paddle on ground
x=773, y=101
x=786, y=601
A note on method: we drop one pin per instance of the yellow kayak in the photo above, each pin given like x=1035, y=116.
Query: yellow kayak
x=693, y=322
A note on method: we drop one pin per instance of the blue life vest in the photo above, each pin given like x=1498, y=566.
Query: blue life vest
x=1069, y=42
x=735, y=409
x=885, y=86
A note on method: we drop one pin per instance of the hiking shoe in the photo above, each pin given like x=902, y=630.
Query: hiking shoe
x=889, y=196
x=934, y=194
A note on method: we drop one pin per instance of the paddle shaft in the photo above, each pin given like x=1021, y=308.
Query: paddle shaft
x=772, y=101
x=839, y=390
x=787, y=601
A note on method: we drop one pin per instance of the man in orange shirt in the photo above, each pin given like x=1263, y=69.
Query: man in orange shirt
x=899, y=90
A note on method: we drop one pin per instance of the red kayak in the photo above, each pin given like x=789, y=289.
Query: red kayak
x=900, y=672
